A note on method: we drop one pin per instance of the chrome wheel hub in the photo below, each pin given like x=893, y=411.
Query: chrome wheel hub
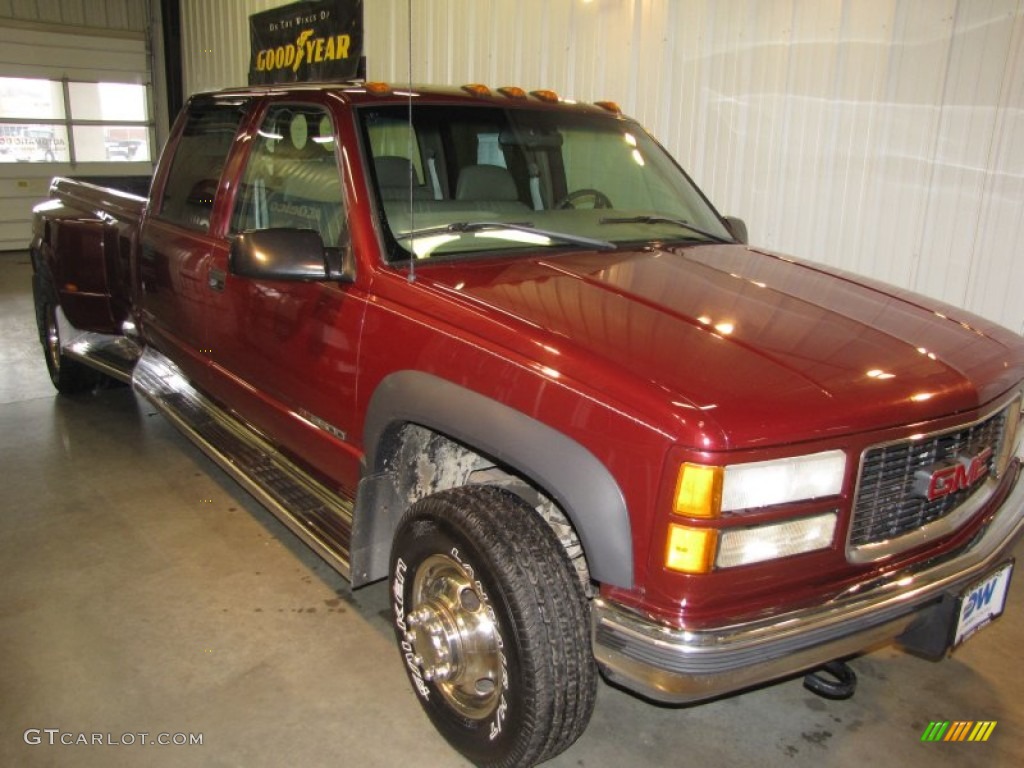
x=454, y=636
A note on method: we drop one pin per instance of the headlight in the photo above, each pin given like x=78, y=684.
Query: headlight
x=763, y=483
x=703, y=491
x=700, y=550
x=743, y=546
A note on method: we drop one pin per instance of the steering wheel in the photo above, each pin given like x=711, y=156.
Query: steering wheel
x=601, y=200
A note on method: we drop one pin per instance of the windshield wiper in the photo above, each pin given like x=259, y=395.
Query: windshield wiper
x=462, y=227
x=666, y=220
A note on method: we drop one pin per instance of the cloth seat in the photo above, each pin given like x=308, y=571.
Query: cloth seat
x=486, y=182
x=394, y=175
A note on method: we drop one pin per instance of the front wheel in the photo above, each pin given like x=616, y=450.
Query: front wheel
x=493, y=626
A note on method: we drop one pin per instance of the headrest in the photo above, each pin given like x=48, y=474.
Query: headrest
x=325, y=134
x=298, y=131
x=394, y=171
x=486, y=182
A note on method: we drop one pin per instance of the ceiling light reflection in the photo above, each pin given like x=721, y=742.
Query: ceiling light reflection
x=879, y=374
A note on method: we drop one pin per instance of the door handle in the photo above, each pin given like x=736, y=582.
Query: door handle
x=215, y=280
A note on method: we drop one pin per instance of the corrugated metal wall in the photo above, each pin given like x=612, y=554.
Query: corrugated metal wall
x=881, y=136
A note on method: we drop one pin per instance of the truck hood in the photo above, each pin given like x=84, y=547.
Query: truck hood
x=764, y=347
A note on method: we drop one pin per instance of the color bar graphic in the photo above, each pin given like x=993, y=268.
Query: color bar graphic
x=958, y=730
x=935, y=731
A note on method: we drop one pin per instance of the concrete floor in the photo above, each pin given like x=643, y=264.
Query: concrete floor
x=141, y=590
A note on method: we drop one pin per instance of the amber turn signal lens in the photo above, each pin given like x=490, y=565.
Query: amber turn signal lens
x=698, y=491
x=690, y=550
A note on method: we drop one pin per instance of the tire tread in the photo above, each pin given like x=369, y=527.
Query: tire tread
x=553, y=615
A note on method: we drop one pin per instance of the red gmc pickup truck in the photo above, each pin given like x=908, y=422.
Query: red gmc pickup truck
x=498, y=348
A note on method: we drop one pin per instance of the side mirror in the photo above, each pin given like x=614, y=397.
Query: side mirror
x=738, y=228
x=288, y=254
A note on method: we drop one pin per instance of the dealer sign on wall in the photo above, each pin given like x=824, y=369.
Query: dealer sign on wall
x=308, y=41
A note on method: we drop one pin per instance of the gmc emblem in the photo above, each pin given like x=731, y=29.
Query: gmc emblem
x=940, y=480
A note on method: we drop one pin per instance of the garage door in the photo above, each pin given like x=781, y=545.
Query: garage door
x=70, y=104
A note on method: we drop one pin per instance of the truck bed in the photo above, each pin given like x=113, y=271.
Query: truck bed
x=82, y=195
x=83, y=240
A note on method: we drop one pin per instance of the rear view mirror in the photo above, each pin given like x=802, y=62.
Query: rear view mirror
x=288, y=254
x=530, y=138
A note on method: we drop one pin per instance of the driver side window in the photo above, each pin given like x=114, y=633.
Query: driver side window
x=292, y=178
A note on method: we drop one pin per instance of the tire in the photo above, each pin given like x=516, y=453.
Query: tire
x=492, y=626
x=68, y=376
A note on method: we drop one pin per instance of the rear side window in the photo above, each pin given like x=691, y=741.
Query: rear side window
x=198, y=161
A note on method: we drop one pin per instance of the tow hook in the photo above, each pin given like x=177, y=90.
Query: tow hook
x=835, y=680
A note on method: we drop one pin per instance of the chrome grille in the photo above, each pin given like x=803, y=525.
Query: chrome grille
x=886, y=505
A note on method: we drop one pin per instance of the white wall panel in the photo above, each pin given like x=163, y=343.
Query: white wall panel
x=881, y=136
x=107, y=15
x=1000, y=281
x=36, y=53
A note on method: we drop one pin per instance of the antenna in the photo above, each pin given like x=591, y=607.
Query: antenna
x=412, y=167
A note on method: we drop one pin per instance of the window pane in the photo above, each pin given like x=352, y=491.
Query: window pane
x=198, y=159
x=107, y=101
x=292, y=179
x=31, y=99
x=27, y=143
x=101, y=143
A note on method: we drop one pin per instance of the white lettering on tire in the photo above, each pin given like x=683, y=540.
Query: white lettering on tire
x=397, y=593
x=502, y=711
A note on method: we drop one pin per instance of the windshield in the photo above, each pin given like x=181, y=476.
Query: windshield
x=447, y=183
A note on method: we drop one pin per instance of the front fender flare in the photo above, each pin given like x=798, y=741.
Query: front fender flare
x=568, y=472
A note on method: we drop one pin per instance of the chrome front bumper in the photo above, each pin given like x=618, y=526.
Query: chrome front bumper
x=676, y=665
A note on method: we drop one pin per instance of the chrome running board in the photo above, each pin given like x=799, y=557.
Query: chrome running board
x=113, y=355
x=321, y=518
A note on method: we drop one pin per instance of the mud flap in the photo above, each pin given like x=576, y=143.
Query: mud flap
x=377, y=512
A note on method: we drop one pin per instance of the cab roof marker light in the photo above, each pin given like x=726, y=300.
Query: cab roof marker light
x=378, y=89
x=477, y=89
x=545, y=95
x=609, y=106
x=512, y=92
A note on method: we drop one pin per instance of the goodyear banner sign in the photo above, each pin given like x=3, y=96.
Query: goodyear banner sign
x=308, y=41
